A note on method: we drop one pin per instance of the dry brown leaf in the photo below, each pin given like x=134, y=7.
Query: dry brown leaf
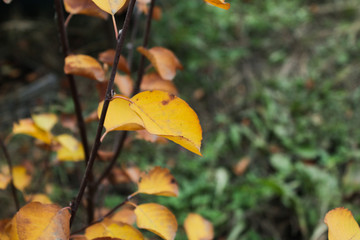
x=68, y=121
x=157, y=13
x=153, y=81
x=86, y=7
x=241, y=166
x=125, y=84
x=108, y=58
x=164, y=61
x=133, y=173
x=118, y=176
x=198, y=228
x=105, y=155
x=84, y=65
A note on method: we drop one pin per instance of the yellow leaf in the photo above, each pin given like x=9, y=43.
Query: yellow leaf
x=219, y=3
x=125, y=215
x=164, y=61
x=21, y=178
x=198, y=228
x=158, y=181
x=342, y=225
x=28, y=127
x=41, y=198
x=70, y=150
x=157, y=219
x=45, y=121
x=110, y=6
x=109, y=228
x=36, y=221
x=84, y=65
x=4, y=181
x=86, y=7
x=168, y=116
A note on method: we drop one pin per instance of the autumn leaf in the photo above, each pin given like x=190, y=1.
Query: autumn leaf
x=164, y=61
x=4, y=180
x=41, y=198
x=241, y=166
x=110, y=6
x=109, y=228
x=198, y=228
x=84, y=65
x=145, y=135
x=124, y=83
x=108, y=57
x=4, y=225
x=342, y=225
x=37, y=221
x=125, y=215
x=70, y=149
x=157, y=219
x=28, y=127
x=20, y=177
x=45, y=121
x=153, y=81
x=86, y=7
x=219, y=3
x=158, y=181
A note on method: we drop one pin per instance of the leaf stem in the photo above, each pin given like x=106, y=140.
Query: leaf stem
x=108, y=96
x=115, y=26
x=8, y=159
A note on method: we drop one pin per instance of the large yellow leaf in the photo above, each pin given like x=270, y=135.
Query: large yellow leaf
x=4, y=225
x=158, y=181
x=342, y=225
x=45, y=121
x=86, y=7
x=28, y=127
x=157, y=219
x=219, y=3
x=20, y=177
x=36, y=221
x=166, y=115
x=84, y=65
x=198, y=228
x=110, y=6
x=70, y=150
x=164, y=61
x=109, y=228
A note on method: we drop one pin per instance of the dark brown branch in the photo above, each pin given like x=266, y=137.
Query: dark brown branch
x=8, y=159
x=135, y=91
x=108, y=96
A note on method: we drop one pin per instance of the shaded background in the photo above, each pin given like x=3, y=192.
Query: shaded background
x=275, y=84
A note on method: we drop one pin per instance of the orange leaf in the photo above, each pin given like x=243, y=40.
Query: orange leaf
x=45, y=121
x=4, y=181
x=164, y=61
x=158, y=181
x=198, y=228
x=21, y=178
x=125, y=215
x=108, y=58
x=109, y=228
x=110, y=6
x=153, y=81
x=4, y=226
x=145, y=135
x=28, y=127
x=86, y=7
x=84, y=65
x=219, y=3
x=124, y=83
x=36, y=221
x=241, y=166
x=117, y=176
x=70, y=150
x=157, y=219
x=157, y=13
x=342, y=225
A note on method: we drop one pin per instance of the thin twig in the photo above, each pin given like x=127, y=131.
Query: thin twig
x=8, y=159
x=66, y=23
x=135, y=91
x=108, y=96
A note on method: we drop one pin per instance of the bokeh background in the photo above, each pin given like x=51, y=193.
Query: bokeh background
x=275, y=83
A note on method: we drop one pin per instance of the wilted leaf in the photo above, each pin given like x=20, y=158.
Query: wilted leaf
x=153, y=81
x=145, y=135
x=110, y=6
x=86, y=7
x=108, y=58
x=157, y=219
x=118, y=176
x=158, y=181
x=28, y=127
x=84, y=65
x=124, y=83
x=45, y=121
x=125, y=215
x=241, y=166
x=70, y=150
x=219, y=3
x=4, y=181
x=20, y=177
x=342, y=225
x=109, y=228
x=36, y=221
x=105, y=155
x=164, y=61
x=198, y=228
x=157, y=13
x=133, y=173
x=68, y=121
x=41, y=198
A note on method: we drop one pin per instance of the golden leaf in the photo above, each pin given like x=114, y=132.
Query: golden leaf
x=153, y=81
x=124, y=83
x=41, y=198
x=84, y=65
x=70, y=150
x=219, y=3
x=342, y=225
x=108, y=57
x=158, y=181
x=125, y=215
x=157, y=219
x=36, y=221
x=28, y=127
x=198, y=228
x=109, y=228
x=45, y=121
x=110, y=6
x=164, y=61
x=20, y=177
x=86, y=7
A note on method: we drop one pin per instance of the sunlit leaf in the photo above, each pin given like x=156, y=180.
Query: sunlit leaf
x=124, y=83
x=157, y=219
x=4, y=180
x=108, y=58
x=198, y=228
x=28, y=127
x=36, y=221
x=45, y=121
x=110, y=6
x=166, y=115
x=70, y=150
x=158, y=181
x=84, y=65
x=219, y=3
x=109, y=228
x=20, y=177
x=41, y=198
x=125, y=215
x=86, y=7
x=164, y=61
x=153, y=81
x=342, y=225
